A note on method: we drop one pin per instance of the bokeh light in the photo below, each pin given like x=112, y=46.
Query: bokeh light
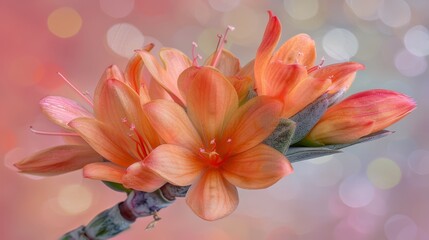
x=356, y=191
x=224, y=5
x=64, y=22
x=384, y=173
x=301, y=9
x=124, y=38
x=400, y=227
x=365, y=9
x=74, y=199
x=340, y=44
x=394, y=13
x=416, y=41
x=409, y=64
x=418, y=161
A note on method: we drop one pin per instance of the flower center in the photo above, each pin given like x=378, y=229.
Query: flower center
x=142, y=147
x=213, y=158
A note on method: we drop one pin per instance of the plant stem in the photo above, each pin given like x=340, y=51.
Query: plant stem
x=119, y=218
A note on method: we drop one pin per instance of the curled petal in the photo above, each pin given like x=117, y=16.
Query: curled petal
x=58, y=160
x=104, y=171
x=134, y=69
x=103, y=140
x=141, y=178
x=172, y=124
x=176, y=164
x=211, y=99
x=251, y=124
x=299, y=49
x=212, y=197
x=62, y=110
x=341, y=75
x=282, y=78
x=266, y=48
x=228, y=64
x=259, y=167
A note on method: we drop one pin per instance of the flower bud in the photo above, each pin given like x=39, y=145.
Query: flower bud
x=359, y=115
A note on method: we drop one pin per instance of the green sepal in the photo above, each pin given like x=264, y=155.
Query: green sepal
x=297, y=154
x=280, y=139
x=117, y=187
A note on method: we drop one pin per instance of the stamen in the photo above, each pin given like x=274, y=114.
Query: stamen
x=142, y=147
x=77, y=90
x=229, y=140
x=53, y=133
x=314, y=68
x=195, y=55
x=221, y=44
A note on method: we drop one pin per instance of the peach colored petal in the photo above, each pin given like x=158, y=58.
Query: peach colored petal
x=282, y=78
x=104, y=171
x=228, y=64
x=266, y=48
x=303, y=94
x=259, y=167
x=118, y=106
x=58, y=160
x=62, y=110
x=211, y=100
x=247, y=70
x=250, y=125
x=212, y=197
x=103, y=140
x=175, y=62
x=299, y=49
x=341, y=75
x=134, y=68
x=171, y=123
x=242, y=85
x=176, y=164
x=141, y=178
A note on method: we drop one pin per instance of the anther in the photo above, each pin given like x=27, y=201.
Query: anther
x=220, y=45
x=229, y=140
x=195, y=55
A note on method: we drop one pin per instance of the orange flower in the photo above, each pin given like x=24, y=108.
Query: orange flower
x=121, y=133
x=289, y=74
x=359, y=115
x=215, y=145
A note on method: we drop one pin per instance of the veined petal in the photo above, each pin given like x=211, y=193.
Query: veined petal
x=282, y=78
x=171, y=123
x=251, y=124
x=242, y=85
x=103, y=140
x=160, y=74
x=228, y=64
x=62, y=110
x=303, y=94
x=247, y=70
x=175, y=62
x=211, y=100
x=176, y=164
x=266, y=48
x=341, y=75
x=212, y=197
x=299, y=49
x=258, y=167
x=58, y=160
x=141, y=178
x=104, y=171
x=119, y=106
x=134, y=68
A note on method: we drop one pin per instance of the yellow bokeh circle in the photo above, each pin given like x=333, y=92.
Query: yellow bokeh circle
x=384, y=173
x=64, y=22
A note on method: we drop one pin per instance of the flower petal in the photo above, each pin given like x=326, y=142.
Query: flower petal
x=171, y=123
x=299, y=49
x=141, y=178
x=266, y=48
x=58, y=160
x=242, y=85
x=104, y=171
x=176, y=164
x=228, y=64
x=175, y=62
x=258, y=167
x=282, y=78
x=341, y=75
x=211, y=99
x=103, y=140
x=251, y=124
x=134, y=68
x=62, y=110
x=212, y=197
x=118, y=106
x=303, y=94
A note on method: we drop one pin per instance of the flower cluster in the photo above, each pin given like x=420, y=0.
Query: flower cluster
x=217, y=126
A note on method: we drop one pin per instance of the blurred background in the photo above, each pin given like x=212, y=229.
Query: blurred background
x=377, y=190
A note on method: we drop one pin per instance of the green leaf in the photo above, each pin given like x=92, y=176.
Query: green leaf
x=281, y=137
x=117, y=187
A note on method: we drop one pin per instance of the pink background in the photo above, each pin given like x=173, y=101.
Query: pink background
x=377, y=190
